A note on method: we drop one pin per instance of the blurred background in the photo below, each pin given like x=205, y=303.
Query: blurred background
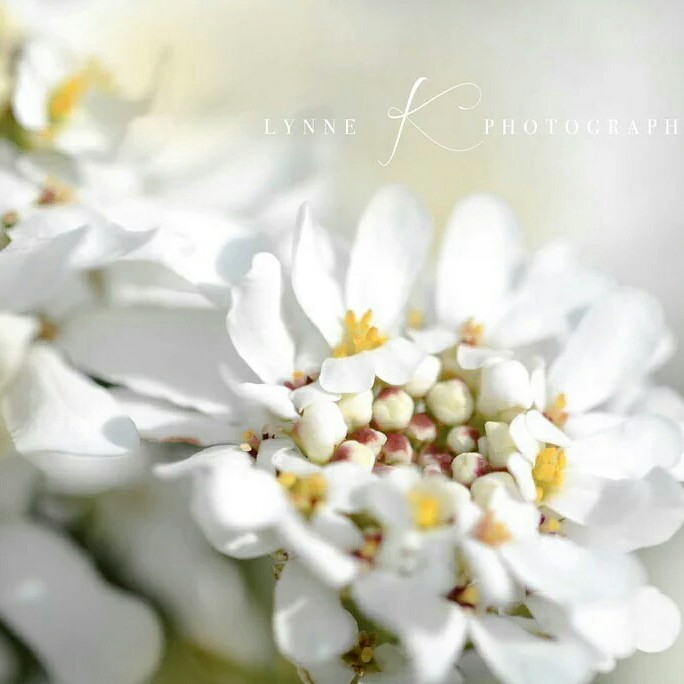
x=619, y=198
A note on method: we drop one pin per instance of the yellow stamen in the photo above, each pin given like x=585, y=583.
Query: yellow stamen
x=550, y=526
x=414, y=319
x=556, y=412
x=426, y=510
x=366, y=654
x=548, y=471
x=67, y=96
x=358, y=336
x=469, y=596
x=472, y=332
x=305, y=492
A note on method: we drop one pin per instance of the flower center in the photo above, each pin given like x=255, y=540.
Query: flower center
x=548, y=471
x=472, y=332
x=556, y=412
x=492, y=532
x=305, y=492
x=426, y=510
x=358, y=336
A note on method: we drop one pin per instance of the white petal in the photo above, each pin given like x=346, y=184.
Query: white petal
x=81, y=629
x=51, y=408
x=631, y=514
x=561, y=570
x=315, y=278
x=163, y=422
x=518, y=657
x=434, y=340
x=494, y=582
x=474, y=358
x=334, y=566
x=274, y=400
x=310, y=624
x=308, y=394
x=629, y=450
x=658, y=620
x=542, y=429
x=396, y=361
x=479, y=255
x=391, y=245
x=611, y=346
x=431, y=629
x=172, y=354
x=16, y=333
x=255, y=321
x=348, y=374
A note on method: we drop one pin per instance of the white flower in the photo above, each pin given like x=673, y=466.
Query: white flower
x=81, y=629
x=487, y=292
x=360, y=316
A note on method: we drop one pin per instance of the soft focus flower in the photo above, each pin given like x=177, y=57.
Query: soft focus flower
x=451, y=506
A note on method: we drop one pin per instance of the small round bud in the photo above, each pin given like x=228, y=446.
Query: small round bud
x=371, y=438
x=431, y=456
x=356, y=453
x=320, y=429
x=451, y=402
x=466, y=468
x=504, y=387
x=424, y=377
x=357, y=409
x=462, y=439
x=422, y=428
x=397, y=449
x=392, y=409
x=484, y=487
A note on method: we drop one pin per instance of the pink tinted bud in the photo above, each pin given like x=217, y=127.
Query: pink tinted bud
x=371, y=438
x=433, y=456
x=356, y=453
x=422, y=428
x=466, y=468
x=462, y=439
x=397, y=449
x=392, y=409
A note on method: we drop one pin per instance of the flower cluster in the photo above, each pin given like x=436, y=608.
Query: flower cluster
x=471, y=474
x=443, y=466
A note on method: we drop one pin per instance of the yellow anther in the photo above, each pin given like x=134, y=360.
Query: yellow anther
x=472, y=332
x=366, y=654
x=67, y=96
x=287, y=480
x=248, y=435
x=470, y=596
x=492, y=532
x=358, y=336
x=550, y=526
x=548, y=471
x=426, y=510
x=305, y=492
x=414, y=319
x=556, y=412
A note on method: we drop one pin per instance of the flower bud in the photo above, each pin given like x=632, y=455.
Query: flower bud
x=451, y=402
x=397, y=449
x=462, y=439
x=500, y=444
x=371, y=438
x=431, y=456
x=466, y=468
x=320, y=430
x=422, y=428
x=357, y=409
x=356, y=453
x=424, y=377
x=504, y=386
x=393, y=408
x=484, y=487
